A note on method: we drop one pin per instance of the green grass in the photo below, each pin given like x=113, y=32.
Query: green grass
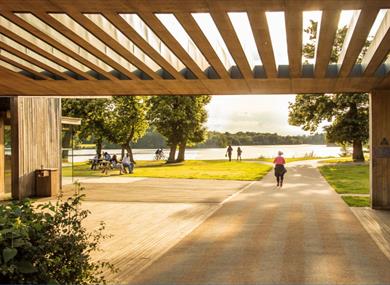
x=347, y=178
x=192, y=169
x=356, y=201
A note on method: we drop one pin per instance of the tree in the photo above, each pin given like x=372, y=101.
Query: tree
x=93, y=113
x=348, y=113
x=181, y=120
x=126, y=121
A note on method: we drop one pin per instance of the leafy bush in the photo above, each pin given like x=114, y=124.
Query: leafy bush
x=46, y=243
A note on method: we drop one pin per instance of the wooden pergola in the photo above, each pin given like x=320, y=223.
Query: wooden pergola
x=121, y=47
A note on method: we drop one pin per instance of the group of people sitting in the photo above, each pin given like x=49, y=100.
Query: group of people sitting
x=106, y=162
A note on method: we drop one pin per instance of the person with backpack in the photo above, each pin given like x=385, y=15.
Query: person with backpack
x=280, y=170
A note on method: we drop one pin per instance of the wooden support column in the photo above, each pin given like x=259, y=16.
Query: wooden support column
x=380, y=149
x=36, y=133
x=2, y=154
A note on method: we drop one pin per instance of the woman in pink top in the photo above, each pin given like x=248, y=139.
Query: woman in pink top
x=280, y=170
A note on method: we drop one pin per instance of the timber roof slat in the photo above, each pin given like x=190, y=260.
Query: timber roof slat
x=355, y=39
x=379, y=48
x=190, y=26
x=150, y=19
x=86, y=45
x=46, y=54
x=39, y=34
x=294, y=41
x=112, y=43
x=232, y=42
x=34, y=61
x=262, y=37
x=326, y=36
x=129, y=32
x=26, y=68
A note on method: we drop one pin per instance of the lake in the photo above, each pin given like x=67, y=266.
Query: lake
x=253, y=151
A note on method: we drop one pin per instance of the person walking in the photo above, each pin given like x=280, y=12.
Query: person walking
x=280, y=170
x=229, y=151
x=127, y=163
x=239, y=152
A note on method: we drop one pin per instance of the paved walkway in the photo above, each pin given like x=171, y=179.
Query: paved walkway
x=301, y=234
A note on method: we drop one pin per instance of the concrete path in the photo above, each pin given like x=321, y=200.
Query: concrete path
x=300, y=234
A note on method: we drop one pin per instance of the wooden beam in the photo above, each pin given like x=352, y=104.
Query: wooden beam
x=225, y=27
x=294, y=40
x=262, y=37
x=23, y=67
x=196, y=34
x=86, y=45
x=379, y=48
x=113, y=44
x=355, y=39
x=34, y=61
x=130, y=33
x=326, y=36
x=173, y=6
x=49, y=40
x=151, y=20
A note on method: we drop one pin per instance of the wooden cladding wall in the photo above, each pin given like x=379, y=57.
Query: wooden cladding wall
x=2, y=154
x=380, y=149
x=36, y=125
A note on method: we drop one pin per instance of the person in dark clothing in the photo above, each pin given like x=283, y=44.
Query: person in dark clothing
x=280, y=170
x=239, y=152
x=229, y=151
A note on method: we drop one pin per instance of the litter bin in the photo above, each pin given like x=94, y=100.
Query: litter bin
x=46, y=182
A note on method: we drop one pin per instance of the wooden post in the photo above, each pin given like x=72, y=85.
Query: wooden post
x=36, y=141
x=380, y=149
x=2, y=154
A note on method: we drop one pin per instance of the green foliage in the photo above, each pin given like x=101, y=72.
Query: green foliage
x=93, y=113
x=348, y=114
x=180, y=118
x=46, y=243
x=126, y=120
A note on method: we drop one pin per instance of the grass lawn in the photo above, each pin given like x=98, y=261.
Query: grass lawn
x=193, y=169
x=354, y=201
x=347, y=178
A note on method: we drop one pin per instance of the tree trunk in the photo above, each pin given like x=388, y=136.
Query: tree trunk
x=182, y=149
x=357, y=153
x=122, y=152
x=99, y=146
x=130, y=152
x=172, y=153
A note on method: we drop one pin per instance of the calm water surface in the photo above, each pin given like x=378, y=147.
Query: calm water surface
x=253, y=151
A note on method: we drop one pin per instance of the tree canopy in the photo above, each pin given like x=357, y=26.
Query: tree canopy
x=180, y=119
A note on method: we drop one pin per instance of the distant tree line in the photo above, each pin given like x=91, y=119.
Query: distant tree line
x=217, y=139
x=153, y=139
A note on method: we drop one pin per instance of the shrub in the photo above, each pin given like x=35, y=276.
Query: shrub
x=47, y=243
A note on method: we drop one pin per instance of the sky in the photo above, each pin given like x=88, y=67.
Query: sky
x=257, y=113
